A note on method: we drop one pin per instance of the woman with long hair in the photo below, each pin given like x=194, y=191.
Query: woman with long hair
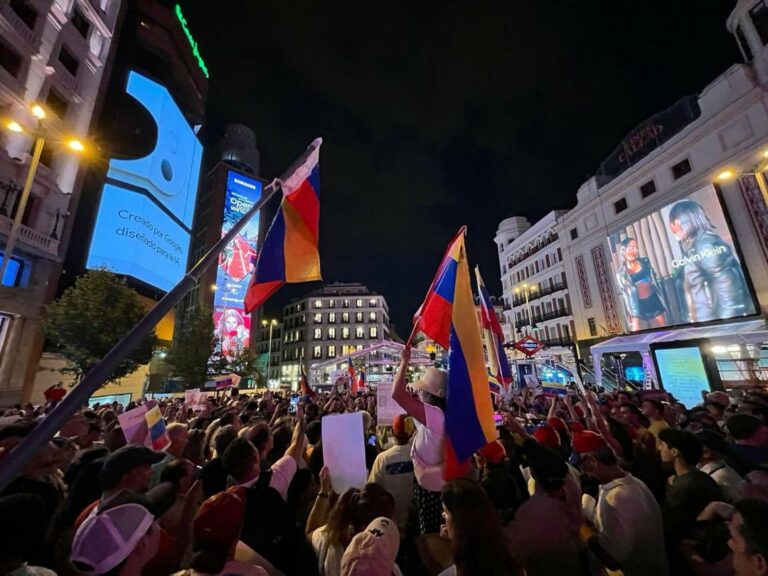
x=636, y=280
x=475, y=532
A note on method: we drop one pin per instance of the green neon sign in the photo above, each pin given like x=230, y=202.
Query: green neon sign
x=195, y=50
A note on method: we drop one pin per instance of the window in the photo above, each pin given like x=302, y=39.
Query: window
x=318, y=334
x=332, y=317
x=345, y=303
x=359, y=317
x=359, y=347
x=574, y=233
x=345, y=333
x=592, y=326
x=318, y=318
x=10, y=59
x=373, y=332
x=331, y=333
x=743, y=44
x=759, y=16
x=359, y=303
x=318, y=303
x=681, y=169
x=296, y=336
x=25, y=11
x=345, y=317
x=317, y=352
x=56, y=103
x=620, y=205
x=647, y=189
x=331, y=303
x=372, y=316
x=372, y=302
x=68, y=60
x=80, y=23
x=359, y=332
x=331, y=351
x=12, y=276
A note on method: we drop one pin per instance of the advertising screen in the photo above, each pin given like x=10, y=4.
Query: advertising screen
x=143, y=224
x=679, y=265
x=236, y=262
x=682, y=373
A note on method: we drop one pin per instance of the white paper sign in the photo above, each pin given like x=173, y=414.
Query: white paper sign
x=191, y=396
x=386, y=407
x=134, y=425
x=344, y=451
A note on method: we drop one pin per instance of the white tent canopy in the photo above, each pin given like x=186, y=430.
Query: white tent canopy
x=749, y=332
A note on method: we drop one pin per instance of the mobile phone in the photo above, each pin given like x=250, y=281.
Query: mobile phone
x=294, y=404
x=372, y=439
x=499, y=420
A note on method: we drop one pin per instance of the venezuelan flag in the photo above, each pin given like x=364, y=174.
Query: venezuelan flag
x=494, y=336
x=156, y=426
x=290, y=252
x=449, y=307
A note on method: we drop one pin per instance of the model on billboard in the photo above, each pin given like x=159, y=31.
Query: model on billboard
x=232, y=332
x=637, y=282
x=713, y=280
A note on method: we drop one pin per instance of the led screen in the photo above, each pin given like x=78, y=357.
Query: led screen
x=679, y=265
x=236, y=262
x=143, y=224
x=682, y=373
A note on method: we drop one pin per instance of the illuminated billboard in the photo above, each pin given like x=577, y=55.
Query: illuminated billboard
x=236, y=262
x=683, y=374
x=144, y=221
x=679, y=265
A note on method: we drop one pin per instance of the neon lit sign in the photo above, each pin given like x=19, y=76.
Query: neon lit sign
x=195, y=50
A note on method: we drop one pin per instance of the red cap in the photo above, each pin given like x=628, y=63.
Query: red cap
x=400, y=425
x=587, y=441
x=493, y=452
x=576, y=427
x=220, y=519
x=558, y=424
x=546, y=436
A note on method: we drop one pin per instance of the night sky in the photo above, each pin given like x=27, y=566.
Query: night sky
x=437, y=115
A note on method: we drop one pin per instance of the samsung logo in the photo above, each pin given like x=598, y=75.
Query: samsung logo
x=244, y=183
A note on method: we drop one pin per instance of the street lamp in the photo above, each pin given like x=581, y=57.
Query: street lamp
x=73, y=144
x=271, y=323
x=527, y=289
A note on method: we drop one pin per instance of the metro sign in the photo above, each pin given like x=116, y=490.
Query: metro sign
x=528, y=346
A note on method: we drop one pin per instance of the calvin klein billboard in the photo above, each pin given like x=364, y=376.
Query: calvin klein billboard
x=144, y=221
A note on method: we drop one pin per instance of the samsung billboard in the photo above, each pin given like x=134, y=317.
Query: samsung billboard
x=144, y=220
x=680, y=265
x=236, y=263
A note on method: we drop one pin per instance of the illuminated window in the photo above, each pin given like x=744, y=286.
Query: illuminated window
x=359, y=303
x=318, y=334
x=317, y=352
x=373, y=332
x=359, y=332
x=359, y=317
x=372, y=316
x=331, y=303
x=331, y=351
x=345, y=317
x=359, y=347
x=372, y=301
x=345, y=303
x=318, y=303
x=332, y=317
x=318, y=318
x=331, y=333
x=345, y=333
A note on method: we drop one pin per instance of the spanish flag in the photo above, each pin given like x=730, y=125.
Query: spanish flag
x=448, y=315
x=290, y=252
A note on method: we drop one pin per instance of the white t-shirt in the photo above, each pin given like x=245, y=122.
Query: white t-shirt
x=728, y=479
x=630, y=529
x=328, y=557
x=427, y=451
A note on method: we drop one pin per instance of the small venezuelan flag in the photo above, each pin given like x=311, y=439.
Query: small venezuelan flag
x=290, y=252
x=494, y=336
x=304, y=387
x=352, y=378
x=156, y=426
x=448, y=317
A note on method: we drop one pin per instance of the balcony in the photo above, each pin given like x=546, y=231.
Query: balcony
x=31, y=237
x=24, y=27
x=545, y=291
x=544, y=317
x=552, y=342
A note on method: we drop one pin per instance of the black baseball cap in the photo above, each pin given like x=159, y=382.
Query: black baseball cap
x=125, y=459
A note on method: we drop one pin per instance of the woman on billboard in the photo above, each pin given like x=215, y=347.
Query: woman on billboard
x=714, y=284
x=232, y=332
x=636, y=280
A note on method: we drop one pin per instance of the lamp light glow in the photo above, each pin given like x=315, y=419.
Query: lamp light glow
x=75, y=145
x=726, y=175
x=38, y=111
x=14, y=126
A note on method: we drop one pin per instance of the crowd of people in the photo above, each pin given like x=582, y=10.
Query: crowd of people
x=591, y=482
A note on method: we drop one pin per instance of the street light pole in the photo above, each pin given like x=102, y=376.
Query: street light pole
x=272, y=323
x=14, y=234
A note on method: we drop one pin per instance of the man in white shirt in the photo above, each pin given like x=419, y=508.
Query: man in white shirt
x=393, y=470
x=713, y=464
x=629, y=534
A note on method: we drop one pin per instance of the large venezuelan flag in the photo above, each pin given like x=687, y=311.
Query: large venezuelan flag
x=290, y=252
x=494, y=336
x=449, y=307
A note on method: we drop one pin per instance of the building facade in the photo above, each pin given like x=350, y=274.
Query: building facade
x=53, y=54
x=268, y=345
x=330, y=322
x=535, y=288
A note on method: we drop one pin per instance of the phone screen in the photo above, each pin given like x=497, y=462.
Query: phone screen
x=372, y=439
x=294, y=404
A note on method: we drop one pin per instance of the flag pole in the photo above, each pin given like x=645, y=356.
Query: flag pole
x=96, y=376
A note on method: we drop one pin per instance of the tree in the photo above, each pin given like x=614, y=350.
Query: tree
x=244, y=363
x=91, y=317
x=194, y=353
